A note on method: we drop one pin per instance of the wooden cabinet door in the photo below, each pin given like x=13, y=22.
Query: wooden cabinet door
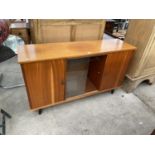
x=44, y=82
x=107, y=72
x=114, y=70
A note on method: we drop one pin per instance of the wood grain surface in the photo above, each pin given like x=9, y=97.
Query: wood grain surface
x=109, y=71
x=50, y=30
x=44, y=68
x=50, y=51
x=44, y=82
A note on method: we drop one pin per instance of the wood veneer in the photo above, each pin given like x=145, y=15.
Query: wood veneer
x=44, y=68
x=108, y=71
x=68, y=50
x=44, y=82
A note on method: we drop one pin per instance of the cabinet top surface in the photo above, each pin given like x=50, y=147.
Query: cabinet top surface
x=70, y=50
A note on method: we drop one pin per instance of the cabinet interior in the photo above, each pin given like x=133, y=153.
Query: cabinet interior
x=83, y=75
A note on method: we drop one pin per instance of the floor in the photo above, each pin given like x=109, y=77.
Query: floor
x=118, y=113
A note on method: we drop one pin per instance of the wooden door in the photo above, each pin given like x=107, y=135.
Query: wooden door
x=109, y=72
x=114, y=70
x=44, y=82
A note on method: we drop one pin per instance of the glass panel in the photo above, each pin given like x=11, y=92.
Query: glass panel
x=77, y=70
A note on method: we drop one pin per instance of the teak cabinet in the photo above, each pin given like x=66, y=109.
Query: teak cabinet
x=141, y=33
x=49, y=31
x=56, y=73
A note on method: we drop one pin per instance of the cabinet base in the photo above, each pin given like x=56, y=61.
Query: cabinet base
x=112, y=91
x=130, y=84
x=74, y=98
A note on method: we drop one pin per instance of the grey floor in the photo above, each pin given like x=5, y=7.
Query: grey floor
x=120, y=113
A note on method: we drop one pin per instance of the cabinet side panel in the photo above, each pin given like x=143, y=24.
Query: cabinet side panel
x=38, y=82
x=125, y=64
x=138, y=34
x=45, y=31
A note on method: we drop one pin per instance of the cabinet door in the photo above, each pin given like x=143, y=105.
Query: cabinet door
x=44, y=82
x=114, y=70
x=107, y=72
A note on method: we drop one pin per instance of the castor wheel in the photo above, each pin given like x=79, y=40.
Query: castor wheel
x=150, y=83
x=153, y=132
x=40, y=111
x=112, y=91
